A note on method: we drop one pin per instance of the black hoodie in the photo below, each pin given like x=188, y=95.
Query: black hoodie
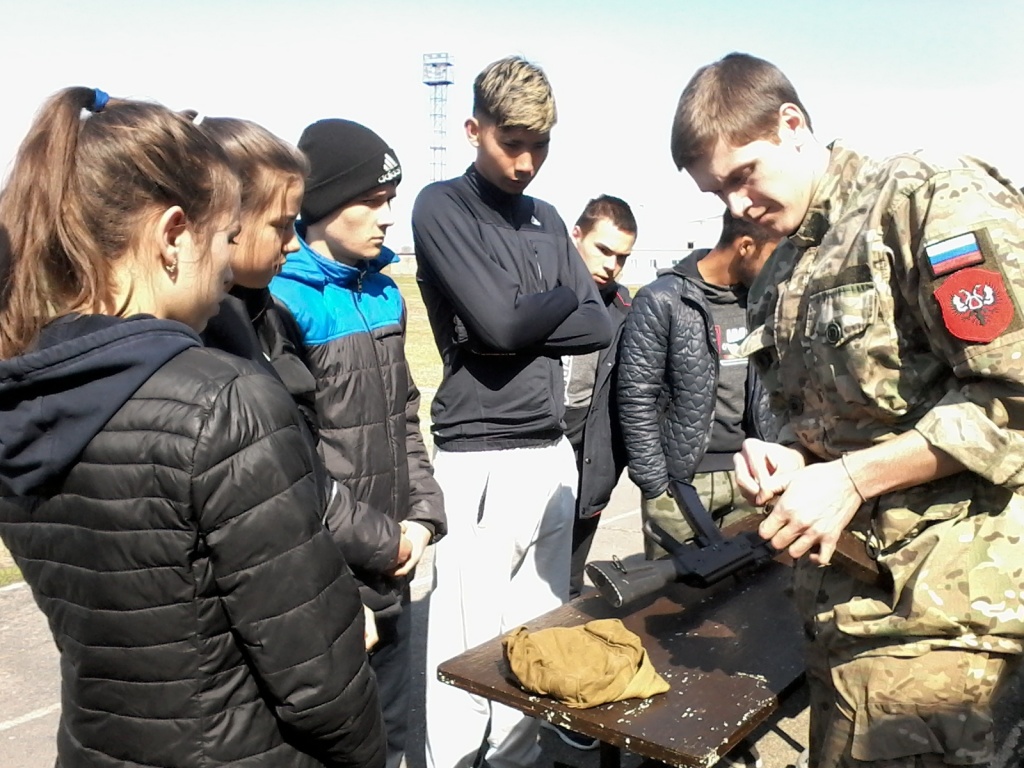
x=56, y=397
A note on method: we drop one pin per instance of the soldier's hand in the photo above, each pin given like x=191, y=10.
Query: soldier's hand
x=763, y=470
x=815, y=508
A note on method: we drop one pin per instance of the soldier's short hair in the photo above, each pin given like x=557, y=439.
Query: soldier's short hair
x=733, y=229
x=513, y=93
x=615, y=209
x=736, y=98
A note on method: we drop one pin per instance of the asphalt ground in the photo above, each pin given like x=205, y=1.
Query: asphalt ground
x=30, y=677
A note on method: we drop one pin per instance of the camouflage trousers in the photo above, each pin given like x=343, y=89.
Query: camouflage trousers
x=718, y=492
x=872, y=705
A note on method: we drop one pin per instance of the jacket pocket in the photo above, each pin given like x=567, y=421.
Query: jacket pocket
x=854, y=353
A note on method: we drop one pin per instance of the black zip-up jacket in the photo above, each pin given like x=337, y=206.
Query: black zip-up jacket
x=604, y=454
x=668, y=376
x=163, y=502
x=507, y=295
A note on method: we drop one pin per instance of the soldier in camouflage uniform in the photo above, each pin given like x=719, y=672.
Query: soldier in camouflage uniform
x=892, y=341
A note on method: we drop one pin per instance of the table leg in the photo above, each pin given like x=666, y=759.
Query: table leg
x=610, y=755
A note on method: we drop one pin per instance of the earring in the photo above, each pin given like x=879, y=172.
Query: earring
x=171, y=269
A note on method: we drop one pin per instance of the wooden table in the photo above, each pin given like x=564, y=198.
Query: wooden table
x=729, y=653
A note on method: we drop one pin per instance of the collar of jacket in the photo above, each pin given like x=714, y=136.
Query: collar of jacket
x=514, y=208
x=308, y=266
x=831, y=194
x=608, y=291
x=687, y=266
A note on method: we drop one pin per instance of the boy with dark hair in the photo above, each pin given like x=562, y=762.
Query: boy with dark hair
x=686, y=399
x=890, y=341
x=604, y=235
x=352, y=319
x=507, y=295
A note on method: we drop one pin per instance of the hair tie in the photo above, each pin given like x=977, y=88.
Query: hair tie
x=99, y=100
x=198, y=119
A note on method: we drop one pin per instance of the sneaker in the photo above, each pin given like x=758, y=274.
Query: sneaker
x=573, y=739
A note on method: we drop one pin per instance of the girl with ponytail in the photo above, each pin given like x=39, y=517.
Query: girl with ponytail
x=162, y=499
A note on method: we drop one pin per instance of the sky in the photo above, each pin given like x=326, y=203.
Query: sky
x=884, y=75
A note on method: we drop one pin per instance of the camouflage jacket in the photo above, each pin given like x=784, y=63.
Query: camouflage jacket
x=903, y=308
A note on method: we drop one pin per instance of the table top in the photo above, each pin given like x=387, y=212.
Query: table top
x=729, y=653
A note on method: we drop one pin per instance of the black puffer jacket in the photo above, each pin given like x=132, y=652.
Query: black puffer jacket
x=163, y=502
x=668, y=370
x=668, y=377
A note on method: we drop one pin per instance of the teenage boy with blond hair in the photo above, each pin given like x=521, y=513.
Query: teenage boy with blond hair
x=507, y=295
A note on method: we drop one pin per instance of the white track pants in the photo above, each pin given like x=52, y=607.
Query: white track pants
x=504, y=561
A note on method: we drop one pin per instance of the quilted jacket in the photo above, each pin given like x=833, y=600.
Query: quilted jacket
x=352, y=325
x=164, y=504
x=668, y=375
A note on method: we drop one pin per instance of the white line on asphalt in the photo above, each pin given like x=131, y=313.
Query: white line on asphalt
x=12, y=587
x=623, y=515
x=33, y=715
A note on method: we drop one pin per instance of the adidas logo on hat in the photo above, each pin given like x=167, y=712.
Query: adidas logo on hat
x=392, y=169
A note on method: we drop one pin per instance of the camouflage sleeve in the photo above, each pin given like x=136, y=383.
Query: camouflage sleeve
x=961, y=237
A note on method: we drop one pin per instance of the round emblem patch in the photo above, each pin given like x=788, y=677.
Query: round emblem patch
x=975, y=304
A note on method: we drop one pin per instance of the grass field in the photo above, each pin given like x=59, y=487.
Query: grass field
x=419, y=341
x=420, y=351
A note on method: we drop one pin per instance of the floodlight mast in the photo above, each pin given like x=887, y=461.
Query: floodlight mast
x=438, y=75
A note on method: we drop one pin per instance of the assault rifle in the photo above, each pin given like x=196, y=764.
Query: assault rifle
x=709, y=558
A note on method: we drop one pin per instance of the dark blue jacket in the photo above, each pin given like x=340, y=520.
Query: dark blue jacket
x=507, y=295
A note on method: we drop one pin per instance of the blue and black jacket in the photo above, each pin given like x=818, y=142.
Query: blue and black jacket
x=352, y=321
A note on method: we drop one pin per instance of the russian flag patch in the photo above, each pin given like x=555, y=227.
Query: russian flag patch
x=954, y=253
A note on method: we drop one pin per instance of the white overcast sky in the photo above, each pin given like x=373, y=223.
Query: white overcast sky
x=885, y=75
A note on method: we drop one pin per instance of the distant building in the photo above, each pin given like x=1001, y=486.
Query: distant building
x=645, y=263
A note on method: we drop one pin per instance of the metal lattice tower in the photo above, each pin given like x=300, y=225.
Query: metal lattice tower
x=437, y=75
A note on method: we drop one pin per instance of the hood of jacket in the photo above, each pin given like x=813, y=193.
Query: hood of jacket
x=308, y=266
x=715, y=294
x=57, y=396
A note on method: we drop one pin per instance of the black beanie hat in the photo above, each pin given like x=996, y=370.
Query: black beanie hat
x=345, y=160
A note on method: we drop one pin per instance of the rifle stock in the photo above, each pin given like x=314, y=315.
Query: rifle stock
x=619, y=585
